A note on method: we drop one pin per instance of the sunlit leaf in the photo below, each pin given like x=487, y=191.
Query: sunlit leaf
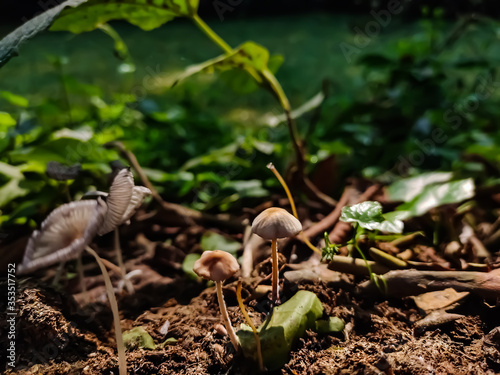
x=368, y=215
x=249, y=56
x=286, y=324
x=437, y=195
x=14, y=99
x=145, y=14
x=408, y=188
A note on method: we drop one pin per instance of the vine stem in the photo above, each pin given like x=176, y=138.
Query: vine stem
x=250, y=323
x=211, y=34
x=122, y=361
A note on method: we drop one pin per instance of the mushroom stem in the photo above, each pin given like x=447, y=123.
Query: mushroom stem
x=274, y=279
x=225, y=316
x=119, y=260
x=122, y=360
x=83, y=286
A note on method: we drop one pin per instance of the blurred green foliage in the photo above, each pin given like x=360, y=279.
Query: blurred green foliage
x=423, y=100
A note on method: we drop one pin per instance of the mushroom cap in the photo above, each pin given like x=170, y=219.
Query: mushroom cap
x=138, y=195
x=64, y=234
x=274, y=223
x=120, y=194
x=216, y=265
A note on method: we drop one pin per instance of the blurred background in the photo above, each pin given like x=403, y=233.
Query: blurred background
x=383, y=90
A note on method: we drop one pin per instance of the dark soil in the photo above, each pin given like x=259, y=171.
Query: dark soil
x=58, y=333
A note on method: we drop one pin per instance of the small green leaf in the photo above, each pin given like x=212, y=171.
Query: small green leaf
x=286, y=324
x=249, y=56
x=147, y=15
x=138, y=337
x=332, y=325
x=368, y=215
x=214, y=241
x=406, y=189
x=6, y=119
x=437, y=195
x=14, y=99
x=188, y=264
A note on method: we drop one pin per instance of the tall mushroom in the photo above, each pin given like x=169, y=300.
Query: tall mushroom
x=218, y=265
x=271, y=224
x=123, y=200
x=64, y=235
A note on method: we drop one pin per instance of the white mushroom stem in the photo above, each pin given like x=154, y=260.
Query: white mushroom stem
x=119, y=259
x=83, y=287
x=122, y=361
x=225, y=316
x=275, y=274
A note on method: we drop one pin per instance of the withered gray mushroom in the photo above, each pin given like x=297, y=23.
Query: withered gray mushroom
x=271, y=224
x=63, y=235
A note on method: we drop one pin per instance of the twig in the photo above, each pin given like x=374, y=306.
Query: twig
x=402, y=283
x=356, y=266
x=329, y=220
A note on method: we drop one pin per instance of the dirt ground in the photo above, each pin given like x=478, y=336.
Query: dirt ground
x=58, y=332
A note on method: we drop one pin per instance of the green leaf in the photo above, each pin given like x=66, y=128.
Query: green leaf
x=10, y=44
x=368, y=215
x=437, y=195
x=286, y=324
x=6, y=120
x=147, y=15
x=249, y=56
x=188, y=264
x=408, y=188
x=214, y=241
x=138, y=337
x=14, y=99
x=332, y=325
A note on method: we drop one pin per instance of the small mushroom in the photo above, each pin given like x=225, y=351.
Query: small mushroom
x=63, y=235
x=218, y=266
x=123, y=199
x=271, y=224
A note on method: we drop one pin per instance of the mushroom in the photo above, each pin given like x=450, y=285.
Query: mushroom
x=271, y=224
x=63, y=235
x=218, y=265
x=123, y=200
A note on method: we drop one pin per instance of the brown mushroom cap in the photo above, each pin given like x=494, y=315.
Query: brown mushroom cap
x=216, y=265
x=274, y=223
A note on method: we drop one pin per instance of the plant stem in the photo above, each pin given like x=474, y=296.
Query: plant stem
x=225, y=316
x=83, y=287
x=119, y=260
x=122, y=361
x=211, y=34
x=283, y=183
x=250, y=323
x=275, y=273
